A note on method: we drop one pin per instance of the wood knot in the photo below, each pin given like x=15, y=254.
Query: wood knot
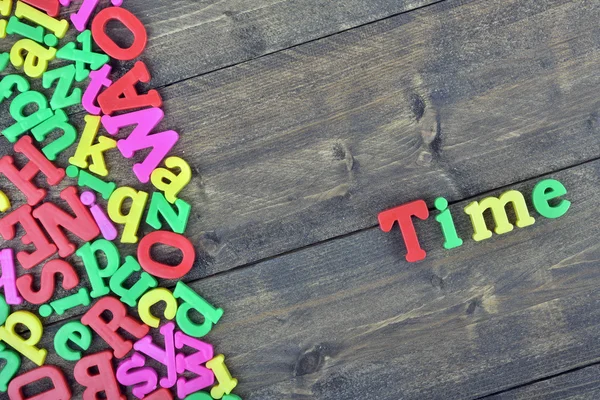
x=311, y=361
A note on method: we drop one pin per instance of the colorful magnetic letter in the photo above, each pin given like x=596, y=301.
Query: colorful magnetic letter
x=64, y=77
x=193, y=301
x=85, y=179
x=16, y=341
x=545, y=191
x=131, y=22
x=26, y=122
x=83, y=56
x=131, y=220
x=193, y=363
x=60, y=390
x=140, y=138
x=152, y=297
x=444, y=218
x=166, y=356
x=177, y=221
x=11, y=366
x=37, y=163
x=498, y=207
x=33, y=235
x=58, y=121
x=103, y=381
x=53, y=219
x=168, y=182
x=169, y=239
x=75, y=332
x=86, y=147
x=81, y=298
x=125, y=272
x=87, y=253
x=144, y=379
x=226, y=382
x=37, y=59
x=51, y=269
x=403, y=214
x=108, y=330
x=7, y=280
x=106, y=226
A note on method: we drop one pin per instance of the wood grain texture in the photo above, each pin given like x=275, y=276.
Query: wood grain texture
x=349, y=318
x=311, y=143
x=581, y=384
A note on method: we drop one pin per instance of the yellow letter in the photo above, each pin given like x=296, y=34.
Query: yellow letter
x=132, y=219
x=86, y=149
x=16, y=341
x=222, y=375
x=36, y=62
x=59, y=28
x=168, y=182
x=151, y=298
x=498, y=207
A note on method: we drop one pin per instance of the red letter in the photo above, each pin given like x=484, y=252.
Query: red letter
x=108, y=330
x=103, y=381
x=37, y=163
x=122, y=94
x=403, y=215
x=169, y=239
x=33, y=235
x=50, y=6
x=48, y=285
x=131, y=22
x=83, y=225
x=60, y=391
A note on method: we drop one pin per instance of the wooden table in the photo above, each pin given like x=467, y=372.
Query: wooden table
x=303, y=119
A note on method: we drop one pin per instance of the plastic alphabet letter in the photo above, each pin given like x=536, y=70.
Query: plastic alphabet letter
x=108, y=230
x=103, y=381
x=140, y=138
x=81, y=18
x=59, y=391
x=22, y=178
x=51, y=269
x=131, y=295
x=17, y=342
x=98, y=80
x=403, y=215
x=85, y=179
x=169, y=239
x=33, y=235
x=192, y=300
x=122, y=94
x=7, y=280
x=193, y=363
x=53, y=219
x=132, y=219
x=51, y=7
x=152, y=297
x=226, y=382
x=64, y=77
x=131, y=22
x=87, y=253
x=83, y=56
x=144, y=379
x=75, y=332
x=86, y=147
x=546, y=190
x=177, y=221
x=8, y=82
x=168, y=182
x=166, y=356
x=108, y=330
x=57, y=27
x=81, y=298
x=26, y=122
x=11, y=366
x=58, y=121
x=37, y=59
x=444, y=218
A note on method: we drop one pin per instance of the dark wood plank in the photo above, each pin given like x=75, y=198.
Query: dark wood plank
x=581, y=384
x=349, y=318
x=188, y=38
x=311, y=143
